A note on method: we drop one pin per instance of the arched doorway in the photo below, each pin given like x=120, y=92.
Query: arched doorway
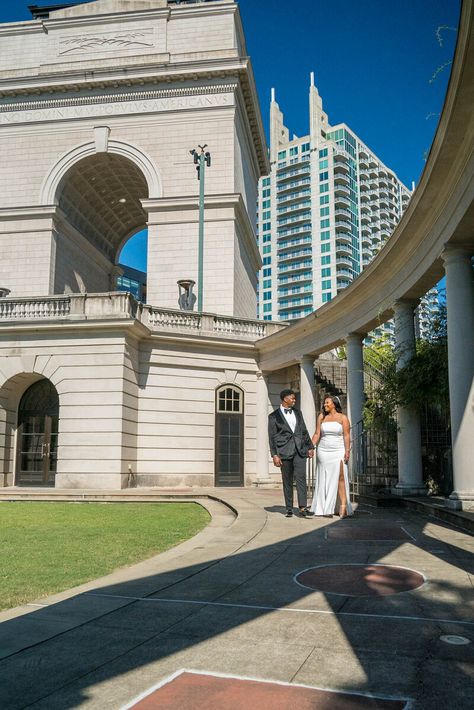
x=229, y=448
x=37, y=437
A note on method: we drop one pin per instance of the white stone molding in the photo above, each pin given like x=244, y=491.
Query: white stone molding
x=49, y=188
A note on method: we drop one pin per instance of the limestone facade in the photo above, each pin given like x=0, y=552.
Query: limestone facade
x=100, y=105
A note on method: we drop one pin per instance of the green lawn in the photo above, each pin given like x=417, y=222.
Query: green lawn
x=50, y=547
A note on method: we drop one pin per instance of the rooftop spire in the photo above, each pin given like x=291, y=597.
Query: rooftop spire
x=273, y=94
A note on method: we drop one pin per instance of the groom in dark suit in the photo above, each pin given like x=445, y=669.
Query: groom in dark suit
x=290, y=446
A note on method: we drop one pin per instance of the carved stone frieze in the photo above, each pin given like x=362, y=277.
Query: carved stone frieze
x=105, y=42
x=117, y=104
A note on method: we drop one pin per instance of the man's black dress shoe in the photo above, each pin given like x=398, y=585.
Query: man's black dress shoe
x=289, y=513
x=305, y=513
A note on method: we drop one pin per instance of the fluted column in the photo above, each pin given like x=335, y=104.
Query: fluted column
x=262, y=454
x=410, y=470
x=307, y=392
x=460, y=313
x=355, y=377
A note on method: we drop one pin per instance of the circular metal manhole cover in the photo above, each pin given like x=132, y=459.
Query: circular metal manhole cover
x=454, y=640
x=357, y=580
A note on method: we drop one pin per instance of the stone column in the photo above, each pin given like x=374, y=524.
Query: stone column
x=460, y=313
x=307, y=392
x=263, y=450
x=410, y=471
x=355, y=378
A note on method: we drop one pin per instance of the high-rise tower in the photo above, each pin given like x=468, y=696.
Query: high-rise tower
x=324, y=211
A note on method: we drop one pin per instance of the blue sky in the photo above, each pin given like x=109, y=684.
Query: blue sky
x=374, y=63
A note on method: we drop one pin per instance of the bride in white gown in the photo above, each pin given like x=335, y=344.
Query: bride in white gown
x=332, y=439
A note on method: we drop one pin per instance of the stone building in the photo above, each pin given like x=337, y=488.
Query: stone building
x=100, y=105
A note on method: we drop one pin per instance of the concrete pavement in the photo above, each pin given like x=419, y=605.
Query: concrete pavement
x=229, y=602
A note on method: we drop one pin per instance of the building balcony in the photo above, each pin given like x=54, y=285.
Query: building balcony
x=363, y=164
x=292, y=243
x=345, y=273
x=291, y=185
x=343, y=260
x=304, y=229
x=294, y=219
x=343, y=226
x=341, y=200
x=294, y=207
x=341, y=168
x=373, y=163
x=342, y=190
x=343, y=240
x=289, y=256
x=289, y=198
x=296, y=302
x=341, y=179
x=365, y=218
x=295, y=267
x=343, y=248
x=341, y=213
x=341, y=155
x=364, y=197
x=295, y=278
x=285, y=174
x=363, y=154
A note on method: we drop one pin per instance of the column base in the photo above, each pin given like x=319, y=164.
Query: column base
x=460, y=500
x=405, y=489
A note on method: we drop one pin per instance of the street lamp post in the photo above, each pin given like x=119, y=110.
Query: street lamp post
x=201, y=160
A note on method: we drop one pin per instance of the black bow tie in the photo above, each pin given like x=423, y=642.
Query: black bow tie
x=287, y=411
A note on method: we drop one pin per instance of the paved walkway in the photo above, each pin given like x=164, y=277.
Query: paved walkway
x=244, y=599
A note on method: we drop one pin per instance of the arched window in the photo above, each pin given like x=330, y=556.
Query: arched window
x=37, y=443
x=229, y=449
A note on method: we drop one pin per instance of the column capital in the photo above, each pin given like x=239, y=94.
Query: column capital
x=355, y=337
x=306, y=359
x=452, y=253
x=405, y=305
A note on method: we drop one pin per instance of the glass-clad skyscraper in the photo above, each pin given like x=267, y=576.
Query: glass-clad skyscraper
x=326, y=209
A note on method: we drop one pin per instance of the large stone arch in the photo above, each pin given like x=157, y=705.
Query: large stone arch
x=97, y=188
x=51, y=184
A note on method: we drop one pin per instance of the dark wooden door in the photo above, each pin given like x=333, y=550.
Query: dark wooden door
x=37, y=441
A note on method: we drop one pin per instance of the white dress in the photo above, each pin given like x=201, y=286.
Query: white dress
x=330, y=453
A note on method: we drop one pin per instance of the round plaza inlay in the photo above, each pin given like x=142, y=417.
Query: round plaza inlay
x=358, y=580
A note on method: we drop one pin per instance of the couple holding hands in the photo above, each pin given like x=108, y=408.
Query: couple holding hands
x=291, y=445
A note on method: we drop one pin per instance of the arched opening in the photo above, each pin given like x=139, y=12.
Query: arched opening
x=229, y=447
x=100, y=198
x=132, y=260
x=37, y=435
